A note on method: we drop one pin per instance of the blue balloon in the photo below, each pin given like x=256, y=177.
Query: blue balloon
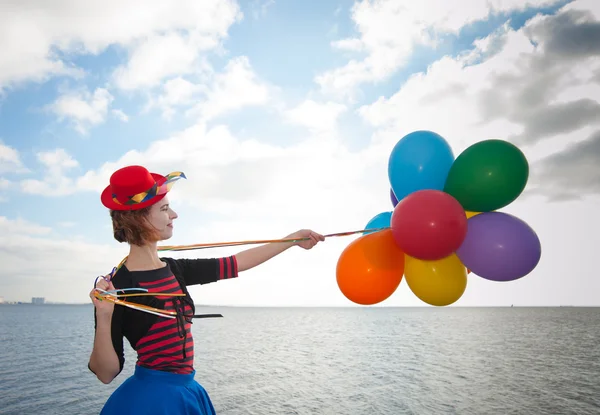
x=420, y=160
x=382, y=220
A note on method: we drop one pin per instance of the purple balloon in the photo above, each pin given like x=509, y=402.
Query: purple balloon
x=393, y=197
x=499, y=247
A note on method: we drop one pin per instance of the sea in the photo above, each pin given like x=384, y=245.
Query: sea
x=356, y=360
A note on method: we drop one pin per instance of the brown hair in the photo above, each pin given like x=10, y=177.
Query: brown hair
x=133, y=227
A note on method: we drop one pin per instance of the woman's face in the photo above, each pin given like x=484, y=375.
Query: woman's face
x=161, y=217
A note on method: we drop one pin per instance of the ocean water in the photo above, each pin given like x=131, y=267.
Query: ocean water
x=329, y=360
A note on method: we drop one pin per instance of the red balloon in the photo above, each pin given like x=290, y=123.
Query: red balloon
x=429, y=224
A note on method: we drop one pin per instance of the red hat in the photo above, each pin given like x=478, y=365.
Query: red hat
x=134, y=187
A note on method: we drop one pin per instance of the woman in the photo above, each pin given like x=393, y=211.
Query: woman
x=163, y=381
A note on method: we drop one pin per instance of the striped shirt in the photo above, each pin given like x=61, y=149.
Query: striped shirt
x=164, y=343
x=167, y=346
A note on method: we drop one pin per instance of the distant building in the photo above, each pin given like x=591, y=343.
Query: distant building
x=1, y=300
x=38, y=300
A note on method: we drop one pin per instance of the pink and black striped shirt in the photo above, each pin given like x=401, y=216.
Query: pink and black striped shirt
x=163, y=343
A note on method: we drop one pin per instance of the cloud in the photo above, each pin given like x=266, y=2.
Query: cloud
x=572, y=173
x=37, y=38
x=224, y=171
x=523, y=92
x=176, y=92
x=55, y=182
x=216, y=94
x=260, y=7
x=22, y=226
x=120, y=115
x=555, y=119
x=64, y=268
x=179, y=55
x=10, y=160
x=82, y=108
x=316, y=116
x=236, y=87
x=573, y=34
x=389, y=30
x=566, y=57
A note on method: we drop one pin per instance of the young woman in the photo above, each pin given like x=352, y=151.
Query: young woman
x=163, y=381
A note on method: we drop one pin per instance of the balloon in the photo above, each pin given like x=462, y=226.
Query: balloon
x=381, y=220
x=471, y=214
x=499, y=247
x=370, y=268
x=393, y=197
x=420, y=160
x=437, y=283
x=429, y=224
x=488, y=176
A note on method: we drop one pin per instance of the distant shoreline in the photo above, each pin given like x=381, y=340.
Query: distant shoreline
x=320, y=306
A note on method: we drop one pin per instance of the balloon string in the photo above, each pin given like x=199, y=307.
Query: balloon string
x=258, y=241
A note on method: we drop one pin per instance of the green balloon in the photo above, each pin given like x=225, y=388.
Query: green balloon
x=488, y=176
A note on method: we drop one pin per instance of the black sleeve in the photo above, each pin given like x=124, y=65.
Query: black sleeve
x=206, y=270
x=116, y=334
x=117, y=321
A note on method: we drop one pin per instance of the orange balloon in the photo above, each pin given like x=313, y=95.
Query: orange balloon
x=370, y=268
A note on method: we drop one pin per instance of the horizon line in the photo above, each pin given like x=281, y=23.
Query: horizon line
x=335, y=306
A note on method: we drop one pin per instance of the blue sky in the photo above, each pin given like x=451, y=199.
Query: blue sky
x=278, y=53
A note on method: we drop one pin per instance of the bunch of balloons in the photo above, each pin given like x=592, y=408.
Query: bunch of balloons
x=444, y=225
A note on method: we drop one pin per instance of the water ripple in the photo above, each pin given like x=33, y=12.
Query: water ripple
x=329, y=361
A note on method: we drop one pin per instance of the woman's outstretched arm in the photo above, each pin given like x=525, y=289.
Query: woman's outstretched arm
x=252, y=257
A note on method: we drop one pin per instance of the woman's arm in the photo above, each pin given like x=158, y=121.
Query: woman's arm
x=103, y=360
x=255, y=256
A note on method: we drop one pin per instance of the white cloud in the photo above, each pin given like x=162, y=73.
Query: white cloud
x=388, y=30
x=317, y=117
x=260, y=7
x=10, y=160
x=179, y=55
x=120, y=115
x=236, y=87
x=224, y=171
x=82, y=108
x=36, y=36
x=53, y=274
x=22, y=226
x=215, y=94
x=467, y=101
x=55, y=182
x=176, y=92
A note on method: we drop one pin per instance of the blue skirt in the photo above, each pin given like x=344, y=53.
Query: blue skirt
x=153, y=392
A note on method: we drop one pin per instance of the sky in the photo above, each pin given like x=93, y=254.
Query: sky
x=283, y=117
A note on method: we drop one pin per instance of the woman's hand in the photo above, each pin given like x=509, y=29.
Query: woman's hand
x=313, y=238
x=103, y=307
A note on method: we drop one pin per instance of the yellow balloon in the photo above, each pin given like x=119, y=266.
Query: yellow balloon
x=438, y=283
x=471, y=214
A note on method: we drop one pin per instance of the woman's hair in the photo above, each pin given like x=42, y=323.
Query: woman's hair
x=133, y=226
